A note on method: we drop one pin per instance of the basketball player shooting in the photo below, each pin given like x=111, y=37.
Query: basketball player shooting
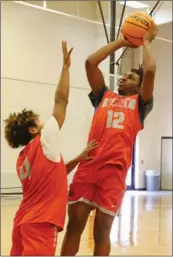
x=42, y=172
x=100, y=184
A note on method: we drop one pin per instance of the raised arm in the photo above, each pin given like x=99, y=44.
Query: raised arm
x=62, y=91
x=149, y=67
x=94, y=74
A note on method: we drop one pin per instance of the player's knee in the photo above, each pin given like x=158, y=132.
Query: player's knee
x=78, y=215
x=102, y=227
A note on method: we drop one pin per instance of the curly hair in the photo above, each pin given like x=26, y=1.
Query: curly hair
x=17, y=128
x=140, y=72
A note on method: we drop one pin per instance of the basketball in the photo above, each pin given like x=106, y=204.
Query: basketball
x=135, y=26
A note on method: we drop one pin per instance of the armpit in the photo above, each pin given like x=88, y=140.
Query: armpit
x=145, y=108
x=96, y=99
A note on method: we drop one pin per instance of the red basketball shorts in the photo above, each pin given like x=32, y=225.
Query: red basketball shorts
x=39, y=239
x=103, y=189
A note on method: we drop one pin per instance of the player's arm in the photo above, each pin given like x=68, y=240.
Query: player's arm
x=62, y=91
x=94, y=74
x=84, y=156
x=50, y=132
x=149, y=67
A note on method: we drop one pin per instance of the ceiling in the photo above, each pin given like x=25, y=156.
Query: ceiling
x=90, y=9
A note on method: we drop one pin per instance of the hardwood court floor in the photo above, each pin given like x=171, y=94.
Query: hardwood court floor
x=144, y=228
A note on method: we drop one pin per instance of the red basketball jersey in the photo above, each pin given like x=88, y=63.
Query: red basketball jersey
x=44, y=185
x=115, y=125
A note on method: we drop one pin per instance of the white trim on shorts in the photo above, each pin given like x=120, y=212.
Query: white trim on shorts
x=55, y=237
x=115, y=214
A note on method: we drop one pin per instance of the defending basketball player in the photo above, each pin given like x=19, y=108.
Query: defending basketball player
x=100, y=183
x=42, y=173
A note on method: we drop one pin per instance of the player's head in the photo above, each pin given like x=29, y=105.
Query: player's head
x=21, y=128
x=130, y=83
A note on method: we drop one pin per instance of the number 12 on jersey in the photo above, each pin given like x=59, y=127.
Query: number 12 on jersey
x=115, y=120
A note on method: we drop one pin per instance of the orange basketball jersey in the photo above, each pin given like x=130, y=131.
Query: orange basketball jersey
x=44, y=185
x=115, y=125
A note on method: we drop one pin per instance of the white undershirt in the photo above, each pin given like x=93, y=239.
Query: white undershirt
x=50, y=140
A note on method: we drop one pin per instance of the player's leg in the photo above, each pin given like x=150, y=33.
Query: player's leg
x=39, y=239
x=102, y=227
x=78, y=216
x=108, y=200
x=80, y=196
x=16, y=249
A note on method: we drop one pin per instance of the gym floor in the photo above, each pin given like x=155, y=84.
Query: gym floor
x=144, y=227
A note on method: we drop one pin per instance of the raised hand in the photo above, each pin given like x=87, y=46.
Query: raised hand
x=66, y=54
x=85, y=155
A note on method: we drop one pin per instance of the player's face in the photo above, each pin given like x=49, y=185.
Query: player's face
x=129, y=84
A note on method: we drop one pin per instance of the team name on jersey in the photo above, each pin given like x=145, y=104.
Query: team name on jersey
x=122, y=103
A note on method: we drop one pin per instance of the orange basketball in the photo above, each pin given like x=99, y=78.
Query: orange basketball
x=135, y=26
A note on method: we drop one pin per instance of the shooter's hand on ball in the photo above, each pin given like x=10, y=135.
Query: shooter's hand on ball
x=126, y=42
x=150, y=35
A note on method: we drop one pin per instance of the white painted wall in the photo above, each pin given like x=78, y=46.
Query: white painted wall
x=32, y=46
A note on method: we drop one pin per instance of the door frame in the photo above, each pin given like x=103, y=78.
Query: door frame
x=132, y=186
x=161, y=154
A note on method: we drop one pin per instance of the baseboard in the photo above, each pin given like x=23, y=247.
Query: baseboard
x=167, y=190
x=15, y=193
x=140, y=189
x=135, y=189
x=144, y=189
